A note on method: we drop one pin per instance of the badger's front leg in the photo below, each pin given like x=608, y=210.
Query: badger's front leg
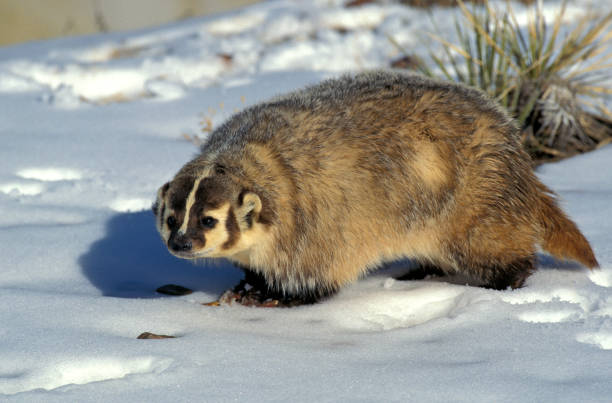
x=251, y=291
x=254, y=291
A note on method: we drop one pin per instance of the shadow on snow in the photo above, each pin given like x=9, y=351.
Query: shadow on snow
x=131, y=262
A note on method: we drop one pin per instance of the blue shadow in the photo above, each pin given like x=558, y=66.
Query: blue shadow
x=131, y=261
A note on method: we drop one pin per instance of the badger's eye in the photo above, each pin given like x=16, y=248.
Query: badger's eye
x=208, y=222
x=171, y=222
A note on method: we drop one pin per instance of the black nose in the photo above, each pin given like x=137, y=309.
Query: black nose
x=179, y=243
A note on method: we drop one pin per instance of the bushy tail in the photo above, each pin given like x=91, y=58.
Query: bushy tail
x=561, y=237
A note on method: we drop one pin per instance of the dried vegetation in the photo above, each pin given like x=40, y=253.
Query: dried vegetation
x=550, y=77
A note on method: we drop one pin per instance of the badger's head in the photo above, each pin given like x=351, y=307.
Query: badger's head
x=208, y=214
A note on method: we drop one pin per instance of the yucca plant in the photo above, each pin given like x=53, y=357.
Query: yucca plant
x=549, y=82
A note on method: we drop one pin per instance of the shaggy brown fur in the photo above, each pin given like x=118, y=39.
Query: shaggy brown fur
x=313, y=189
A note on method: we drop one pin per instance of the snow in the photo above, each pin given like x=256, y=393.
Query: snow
x=92, y=126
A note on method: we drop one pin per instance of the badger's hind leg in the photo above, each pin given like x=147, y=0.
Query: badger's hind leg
x=496, y=275
x=500, y=276
x=422, y=271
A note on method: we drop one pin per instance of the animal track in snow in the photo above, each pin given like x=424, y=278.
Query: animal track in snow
x=601, y=277
x=33, y=177
x=549, y=316
x=130, y=205
x=593, y=310
x=545, y=314
x=569, y=295
x=80, y=372
x=392, y=308
x=602, y=340
x=50, y=174
x=74, y=85
x=21, y=189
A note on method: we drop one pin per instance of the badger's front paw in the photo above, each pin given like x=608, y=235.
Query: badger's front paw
x=250, y=295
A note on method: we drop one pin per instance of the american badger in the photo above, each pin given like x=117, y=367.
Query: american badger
x=309, y=191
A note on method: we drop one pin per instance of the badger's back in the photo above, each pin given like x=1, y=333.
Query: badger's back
x=363, y=136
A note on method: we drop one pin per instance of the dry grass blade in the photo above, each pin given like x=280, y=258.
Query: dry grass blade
x=541, y=77
x=555, y=31
x=481, y=30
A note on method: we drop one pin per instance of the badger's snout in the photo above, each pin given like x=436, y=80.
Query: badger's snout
x=179, y=243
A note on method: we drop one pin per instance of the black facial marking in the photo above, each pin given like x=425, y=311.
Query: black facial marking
x=171, y=222
x=219, y=169
x=164, y=189
x=249, y=219
x=208, y=222
x=241, y=196
x=181, y=188
x=211, y=193
x=232, y=229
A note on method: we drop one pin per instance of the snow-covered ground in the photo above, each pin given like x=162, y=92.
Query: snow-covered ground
x=91, y=126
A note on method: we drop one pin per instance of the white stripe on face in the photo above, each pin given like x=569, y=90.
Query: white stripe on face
x=189, y=204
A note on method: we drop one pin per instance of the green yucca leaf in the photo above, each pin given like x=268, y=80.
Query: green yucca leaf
x=490, y=58
x=514, y=32
x=586, y=89
x=592, y=34
x=479, y=27
x=442, y=67
x=464, y=41
x=502, y=66
x=533, y=40
x=555, y=32
x=523, y=64
x=529, y=105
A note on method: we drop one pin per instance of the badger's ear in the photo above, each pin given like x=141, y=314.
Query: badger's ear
x=249, y=208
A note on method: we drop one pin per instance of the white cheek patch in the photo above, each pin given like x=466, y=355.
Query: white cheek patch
x=218, y=235
x=161, y=215
x=165, y=231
